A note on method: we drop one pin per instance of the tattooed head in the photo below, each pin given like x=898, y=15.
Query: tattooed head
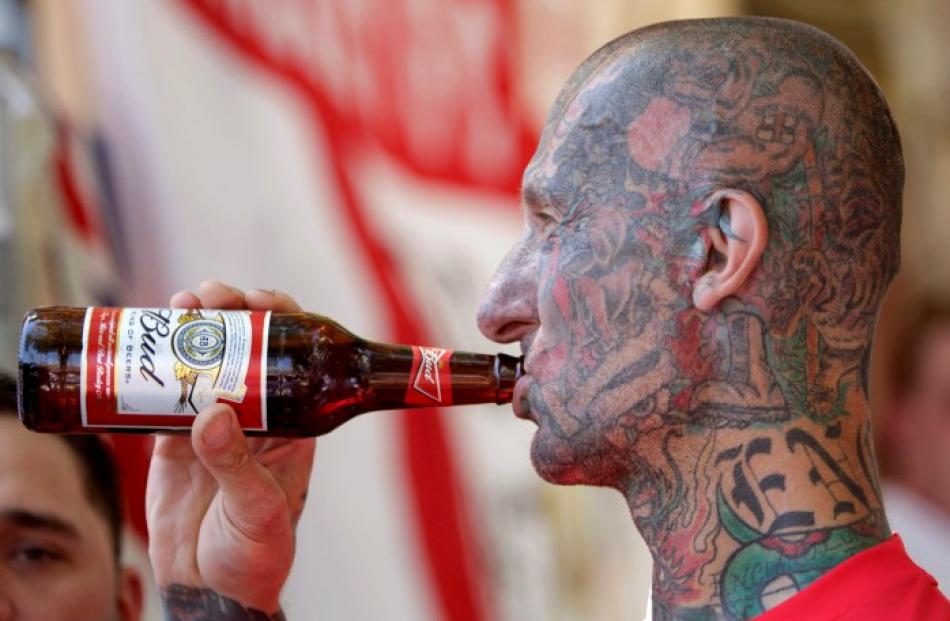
x=624, y=200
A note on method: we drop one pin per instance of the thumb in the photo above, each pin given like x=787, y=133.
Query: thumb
x=251, y=496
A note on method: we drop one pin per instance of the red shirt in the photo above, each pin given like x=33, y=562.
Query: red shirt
x=878, y=584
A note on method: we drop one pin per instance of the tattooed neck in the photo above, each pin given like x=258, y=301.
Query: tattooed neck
x=187, y=603
x=741, y=520
x=709, y=357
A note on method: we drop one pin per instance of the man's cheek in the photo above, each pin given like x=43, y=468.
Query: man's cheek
x=550, y=349
x=548, y=362
x=556, y=304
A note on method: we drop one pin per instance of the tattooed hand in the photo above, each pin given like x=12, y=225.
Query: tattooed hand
x=222, y=509
x=183, y=603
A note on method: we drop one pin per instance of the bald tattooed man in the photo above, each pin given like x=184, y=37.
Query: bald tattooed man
x=712, y=218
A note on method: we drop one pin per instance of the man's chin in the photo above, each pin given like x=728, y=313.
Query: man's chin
x=551, y=465
x=559, y=462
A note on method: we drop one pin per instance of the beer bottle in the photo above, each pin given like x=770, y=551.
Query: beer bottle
x=286, y=374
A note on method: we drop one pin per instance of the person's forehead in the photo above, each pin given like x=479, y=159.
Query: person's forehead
x=587, y=110
x=39, y=472
x=598, y=103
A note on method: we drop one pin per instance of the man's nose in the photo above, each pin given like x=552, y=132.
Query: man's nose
x=509, y=308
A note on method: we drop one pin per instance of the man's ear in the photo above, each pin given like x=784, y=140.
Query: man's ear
x=738, y=238
x=130, y=596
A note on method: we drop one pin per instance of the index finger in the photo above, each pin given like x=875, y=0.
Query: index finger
x=210, y=294
x=270, y=299
x=184, y=299
x=214, y=294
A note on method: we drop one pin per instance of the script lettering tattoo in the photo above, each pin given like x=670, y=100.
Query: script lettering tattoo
x=186, y=603
x=784, y=551
x=735, y=434
x=797, y=437
x=742, y=494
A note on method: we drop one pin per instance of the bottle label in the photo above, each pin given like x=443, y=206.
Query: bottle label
x=158, y=367
x=430, y=382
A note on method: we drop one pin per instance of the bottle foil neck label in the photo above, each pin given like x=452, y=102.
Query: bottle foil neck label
x=430, y=381
x=158, y=367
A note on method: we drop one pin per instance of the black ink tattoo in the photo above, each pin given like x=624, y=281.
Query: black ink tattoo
x=712, y=422
x=187, y=603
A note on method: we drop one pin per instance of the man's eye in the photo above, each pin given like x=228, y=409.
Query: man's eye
x=543, y=218
x=35, y=556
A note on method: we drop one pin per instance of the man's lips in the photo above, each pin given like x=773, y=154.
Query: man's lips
x=519, y=399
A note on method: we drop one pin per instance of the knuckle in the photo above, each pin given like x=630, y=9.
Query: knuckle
x=260, y=518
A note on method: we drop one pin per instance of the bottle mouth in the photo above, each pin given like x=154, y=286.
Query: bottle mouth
x=508, y=370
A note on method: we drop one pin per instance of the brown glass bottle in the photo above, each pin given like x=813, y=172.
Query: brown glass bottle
x=315, y=374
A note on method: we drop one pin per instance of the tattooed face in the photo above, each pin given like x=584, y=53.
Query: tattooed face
x=597, y=361
x=617, y=198
x=736, y=427
x=589, y=292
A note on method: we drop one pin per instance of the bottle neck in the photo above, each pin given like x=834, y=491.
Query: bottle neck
x=404, y=377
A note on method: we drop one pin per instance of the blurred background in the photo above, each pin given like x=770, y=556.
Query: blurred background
x=365, y=156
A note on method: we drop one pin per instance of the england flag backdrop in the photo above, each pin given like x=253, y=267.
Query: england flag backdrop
x=364, y=156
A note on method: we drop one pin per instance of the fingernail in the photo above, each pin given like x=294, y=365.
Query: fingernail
x=216, y=433
x=272, y=292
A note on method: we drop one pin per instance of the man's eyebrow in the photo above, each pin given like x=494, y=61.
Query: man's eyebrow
x=38, y=521
x=529, y=194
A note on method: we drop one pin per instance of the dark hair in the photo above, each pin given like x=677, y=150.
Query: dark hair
x=99, y=471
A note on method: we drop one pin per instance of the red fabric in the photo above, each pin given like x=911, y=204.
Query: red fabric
x=76, y=207
x=880, y=584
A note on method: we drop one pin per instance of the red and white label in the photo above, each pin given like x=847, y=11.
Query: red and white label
x=430, y=380
x=158, y=367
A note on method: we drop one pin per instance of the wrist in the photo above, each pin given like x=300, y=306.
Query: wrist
x=190, y=603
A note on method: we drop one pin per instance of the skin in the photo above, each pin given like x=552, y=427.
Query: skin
x=222, y=509
x=711, y=220
x=922, y=419
x=56, y=554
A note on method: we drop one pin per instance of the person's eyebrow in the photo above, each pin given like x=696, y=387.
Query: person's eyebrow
x=38, y=521
x=530, y=194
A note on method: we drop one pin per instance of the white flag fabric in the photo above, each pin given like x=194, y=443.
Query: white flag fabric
x=364, y=157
